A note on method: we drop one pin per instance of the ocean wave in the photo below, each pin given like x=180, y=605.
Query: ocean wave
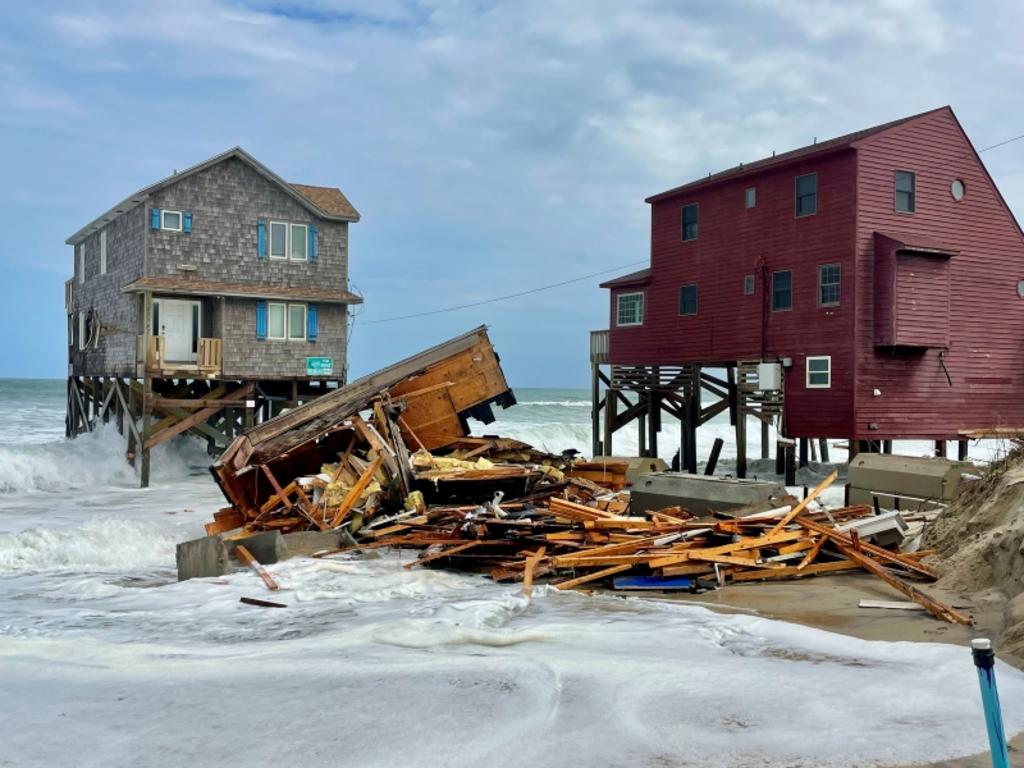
x=103, y=543
x=95, y=459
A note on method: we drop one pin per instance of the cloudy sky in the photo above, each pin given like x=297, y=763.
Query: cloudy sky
x=491, y=147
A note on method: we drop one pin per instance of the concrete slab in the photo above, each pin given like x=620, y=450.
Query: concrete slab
x=201, y=558
x=701, y=493
x=267, y=547
x=307, y=543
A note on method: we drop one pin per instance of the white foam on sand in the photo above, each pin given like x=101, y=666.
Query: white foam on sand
x=373, y=664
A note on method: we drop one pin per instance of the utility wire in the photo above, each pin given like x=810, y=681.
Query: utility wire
x=1001, y=143
x=506, y=297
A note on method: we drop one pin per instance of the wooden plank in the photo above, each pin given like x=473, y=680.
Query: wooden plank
x=261, y=603
x=443, y=553
x=279, y=498
x=791, y=572
x=278, y=491
x=803, y=504
x=225, y=523
x=891, y=605
x=809, y=557
x=732, y=560
x=531, y=567
x=246, y=557
x=748, y=542
x=356, y=491
x=934, y=607
x=876, y=552
x=571, y=583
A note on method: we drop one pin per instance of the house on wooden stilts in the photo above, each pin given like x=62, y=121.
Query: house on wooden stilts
x=868, y=288
x=206, y=303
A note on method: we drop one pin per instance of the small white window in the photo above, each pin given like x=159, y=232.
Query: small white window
x=103, y=252
x=630, y=309
x=278, y=240
x=276, y=321
x=751, y=197
x=297, y=322
x=80, y=262
x=819, y=372
x=170, y=220
x=299, y=239
x=81, y=330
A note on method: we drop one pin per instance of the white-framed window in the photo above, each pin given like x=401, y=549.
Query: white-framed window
x=819, y=372
x=296, y=322
x=289, y=241
x=170, y=220
x=278, y=240
x=286, y=321
x=629, y=309
x=751, y=197
x=103, y=252
x=81, y=330
x=277, y=321
x=80, y=262
x=298, y=242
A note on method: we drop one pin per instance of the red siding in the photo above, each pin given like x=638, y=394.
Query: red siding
x=985, y=359
x=922, y=301
x=735, y=241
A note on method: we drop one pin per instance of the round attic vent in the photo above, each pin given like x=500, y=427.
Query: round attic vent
x=957, y=189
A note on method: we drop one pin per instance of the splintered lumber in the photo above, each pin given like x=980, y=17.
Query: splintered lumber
x=788, y=517
x=261, y=603
x=225, y=520
x=749, y=542
x=573, y=511
x=809, y=557
x=934, y=607
x=356, y=491
x=571, y=583
x=892, y=605
x=246, y=557
x=444, y=553
x=877, y=552
x=531, y=567
x=791, y=572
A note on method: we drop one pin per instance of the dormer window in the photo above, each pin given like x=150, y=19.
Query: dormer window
x=690, y=215
x=170, y=220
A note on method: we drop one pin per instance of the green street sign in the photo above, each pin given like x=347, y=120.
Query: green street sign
x=320, y=366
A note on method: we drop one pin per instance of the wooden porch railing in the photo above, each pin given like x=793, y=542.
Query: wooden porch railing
x=599, y=346
x=208, y=360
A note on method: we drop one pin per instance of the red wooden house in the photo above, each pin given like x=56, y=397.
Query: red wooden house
x=883, y=271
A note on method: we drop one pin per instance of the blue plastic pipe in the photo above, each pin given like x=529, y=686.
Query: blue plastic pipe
x=985, y=660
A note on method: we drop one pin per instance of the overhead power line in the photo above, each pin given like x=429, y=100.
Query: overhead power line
x=1001, y=143
x=505, y=297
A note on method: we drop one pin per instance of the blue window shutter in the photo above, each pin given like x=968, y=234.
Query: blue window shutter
x=311, y=314
x=186, y=221
x=261, y=319
x=312, y=242
x=261, y=240
x=156, y=218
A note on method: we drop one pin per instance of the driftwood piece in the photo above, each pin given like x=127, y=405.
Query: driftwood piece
x=246, y=557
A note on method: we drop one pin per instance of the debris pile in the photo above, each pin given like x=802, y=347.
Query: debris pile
x=390, y=460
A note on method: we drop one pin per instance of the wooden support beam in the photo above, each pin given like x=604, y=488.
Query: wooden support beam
x=531, y=566
x=571, y=583
x=443, y=553
x=191, y=421
x=246, y=557
x=788, y=518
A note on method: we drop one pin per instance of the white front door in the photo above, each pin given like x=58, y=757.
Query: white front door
x=176, y=326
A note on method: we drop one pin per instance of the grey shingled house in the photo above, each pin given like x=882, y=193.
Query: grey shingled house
x=207, y=301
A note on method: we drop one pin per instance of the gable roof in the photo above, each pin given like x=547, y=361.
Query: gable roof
x=801, y=153
x=326, y=202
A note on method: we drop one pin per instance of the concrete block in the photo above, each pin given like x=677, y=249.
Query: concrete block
x=308, y=543
x=202, y=558
x=701, y=493
x=935, y=479
x=267, y=547
x=636, y=466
